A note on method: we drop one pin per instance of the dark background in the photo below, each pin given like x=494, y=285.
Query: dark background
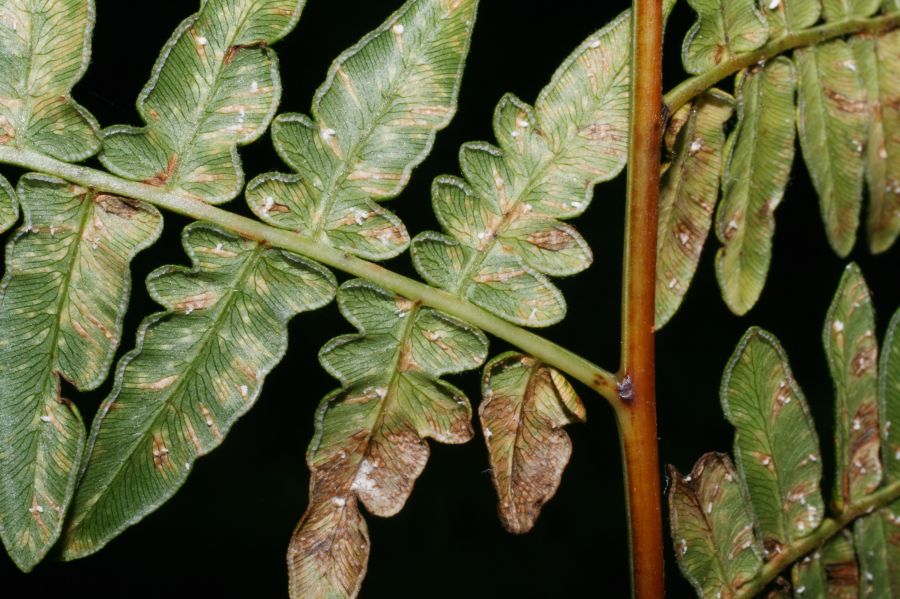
x=225, y=533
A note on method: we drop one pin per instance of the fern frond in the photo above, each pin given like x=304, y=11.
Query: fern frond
x=832, y=120
x=775, y=445
x=878, y=60
x=44, y=50
x=758, y=162
x=846, y=115
x=730, y=554
x=852, y=351
x=373, y=121
x=369, y=444
x=505, y=235
x=779, y=470
x=215, y=86
x=198, y=366
x=723, y=28
x=62, y=301
x=688, y=194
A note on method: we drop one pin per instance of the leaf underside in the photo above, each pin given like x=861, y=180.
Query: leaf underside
x=525, y=406
x=758, y=159
x=832, y=120
x=503, y=219
x=44, y=50
x=852, y=351
x=197, y=367
x=215, y=86
x=373, y=120
x=847, y=113
x=878, y=60
x=688, y=194
x=712, y=527
x=723, y=28
x=790, y=16
x=779, y=467
x=62, y=301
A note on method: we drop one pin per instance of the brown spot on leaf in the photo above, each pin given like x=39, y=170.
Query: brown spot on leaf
x=199, y=301
x=159, y=179
x=845, y=104
x=864, y=361
x=124, y=208
x=199, y=42
x=160, y=453
x=553, y=239
x=160, y=384
x=720, y=53
x=842, y=574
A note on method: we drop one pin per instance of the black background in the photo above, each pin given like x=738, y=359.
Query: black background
x=225, y=533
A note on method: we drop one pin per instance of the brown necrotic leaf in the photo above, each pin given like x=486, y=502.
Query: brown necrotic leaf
x=525, y=407
x=712, y=527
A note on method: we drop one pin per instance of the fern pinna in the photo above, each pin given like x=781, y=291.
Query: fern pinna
x=824, y=74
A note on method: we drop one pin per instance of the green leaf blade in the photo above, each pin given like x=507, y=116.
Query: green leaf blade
x=878, y=59
x=197, y=368
x=723, y=28
x=370, y=441
x=375, y=119
x=759, y=155
x=776, y=447
x=62, y=302
x=44, y=51
x=525, y=407
x=852, y=350
x=688, y=195
x=712, y=527
x=832, y=120
x=215, y=86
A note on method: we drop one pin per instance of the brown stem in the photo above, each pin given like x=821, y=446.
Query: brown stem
x=636, y=410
